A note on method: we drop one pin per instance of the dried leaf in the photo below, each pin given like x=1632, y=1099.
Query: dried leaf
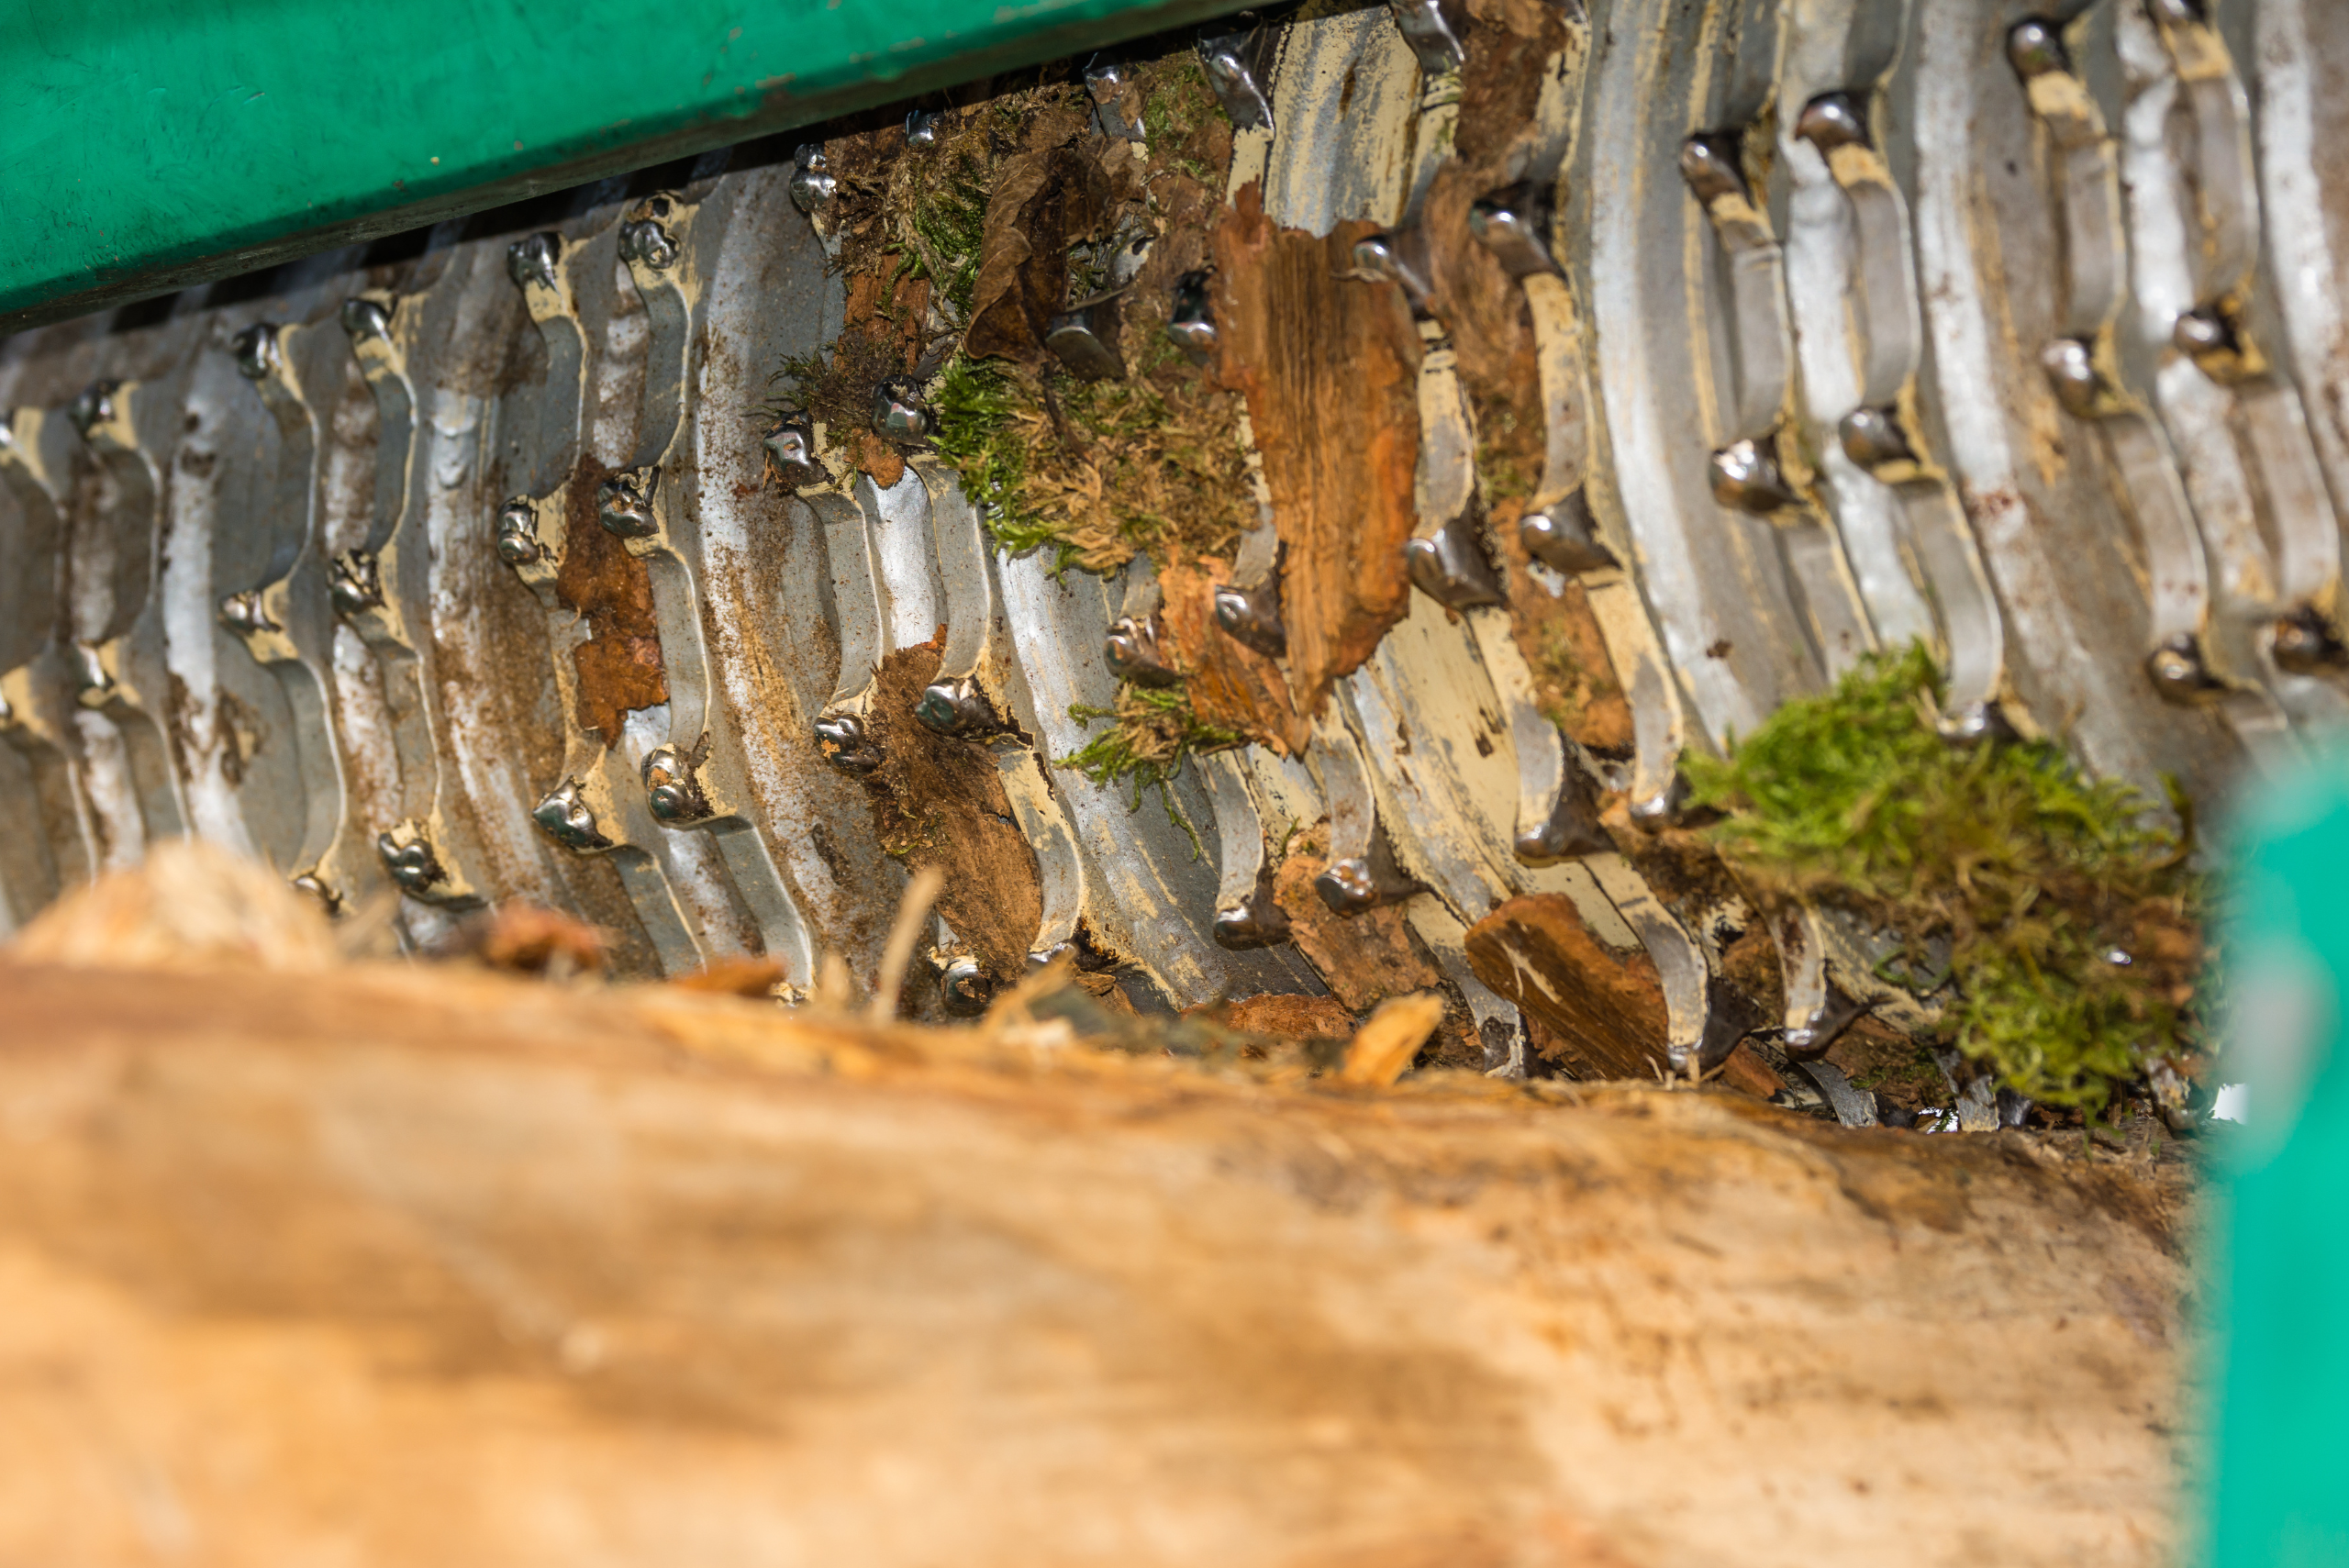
x=1042, y=202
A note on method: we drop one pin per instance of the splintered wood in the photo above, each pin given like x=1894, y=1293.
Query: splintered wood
x=395, y=1264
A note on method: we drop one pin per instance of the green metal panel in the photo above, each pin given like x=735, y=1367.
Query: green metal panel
x=2279, y=1499
x=161, y=143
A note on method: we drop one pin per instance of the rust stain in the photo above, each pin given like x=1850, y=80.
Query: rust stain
x=619, y=664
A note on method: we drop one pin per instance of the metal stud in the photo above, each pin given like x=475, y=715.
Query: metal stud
x=791, y=451
x=1082, y=339
x=898, y=411
x=1191, y=324
x=309, y=882
x=1432, y=41
x=648, y=239
x=2035, y=48
x=965, y=988
x=1450, y=569
x=846, y=744
x=1513, y=223
x=1565, y=537
x=1391, y=257
x=1747, y=477
x=621, y=507
x=1656, y=812
x=1251, y=619
x=955, y=707
x=1824, y=1025
x=1709, y=163
x=1976, y=723
x=1258, y=923
x=671, y=793
x=532, y=259
x=921, y=128
x=517, y=533
x=2305, y=644
x=1104, y=80
x=2070, y=366
x=1225, y=57
x=93, y=684
x=242, y=613
x=567, y=819
x=2179, y=671
x=1873, y=439
x=363, y=318
x=93, y=408
x=355, y=583
x=407, y=856
x=1352, y=886
x=1134, y=654
x=2179, y=13
x=256, y=351
x=1833, y=121
x=813, y=188
x=2203, y=332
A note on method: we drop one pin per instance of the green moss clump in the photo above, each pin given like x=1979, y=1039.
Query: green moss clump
x=2072, y=923
x=1154, y=731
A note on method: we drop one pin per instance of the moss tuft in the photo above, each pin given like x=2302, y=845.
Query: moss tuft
x=2073, y=925
x=1154, y=731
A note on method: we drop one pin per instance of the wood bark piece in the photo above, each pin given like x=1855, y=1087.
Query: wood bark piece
x=1328, y=365
x=1363, y=958
x=398, y=1265
x=1231, y=687
x=1042, y=201
x=619, y=664
x=1603, y=1007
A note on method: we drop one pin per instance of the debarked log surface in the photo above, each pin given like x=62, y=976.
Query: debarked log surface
x=388, y=1265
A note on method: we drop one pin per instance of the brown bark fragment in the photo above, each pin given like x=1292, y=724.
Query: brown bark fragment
x=1231, y=686
x=1508, y=44
x=1364, y=957
x=937, y=802
x=1573, y=676
x=619, y=664
x=1330, y=368
x=1744, y=1069
x=1603, y=1006
x=1284, y=1017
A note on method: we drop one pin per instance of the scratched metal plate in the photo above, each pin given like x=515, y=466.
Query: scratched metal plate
x=2015, y=331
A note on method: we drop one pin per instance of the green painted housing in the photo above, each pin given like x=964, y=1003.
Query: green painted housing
x=159, y=144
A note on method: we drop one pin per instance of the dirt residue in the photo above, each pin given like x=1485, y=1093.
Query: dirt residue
x=937, y=802
x=619, y=664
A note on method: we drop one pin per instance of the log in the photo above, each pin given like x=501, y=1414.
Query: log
x=397, y=1265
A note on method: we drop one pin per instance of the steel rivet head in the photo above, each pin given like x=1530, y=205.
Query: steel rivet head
x=531, y=259
x=2201, y=331
x=846, y=745
x=1708, y=163
x=2179, y=671
x=242, y=613
x=517, y=533
x=1450, y=569
x=1512, y=223
x=1873, y=439
x=1565, y=537
x=921, y=128
x=955, y=707
x=1133, y=652
x=965, y=988
x=2182, y=13
x=1191, y=324
x=256, y=351
x=1425, y=28
x=624, y=509
x=355, y=583
x=408, y=859
x=1243, y=928
x=93, y=408
x=1104, y=80
x=813, y=188
x=1224, y=58
x=898, y=411
x=364, y=318
x=1976, y=723
x=647, y=241
x=1832, y=120
x=2035, y=48
x=1081, y=340
x=1747, y=477
x=671, y=792
x=2070, y=366
x=1251, y=624
x=566, y=818
x=2305, y=644
x=791, y=451
x=1660, y=810
x=1347, y=886
x=310, y=883
x=93, y=682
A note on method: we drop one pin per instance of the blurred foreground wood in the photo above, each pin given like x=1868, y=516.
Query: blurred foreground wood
x=384, y=1264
